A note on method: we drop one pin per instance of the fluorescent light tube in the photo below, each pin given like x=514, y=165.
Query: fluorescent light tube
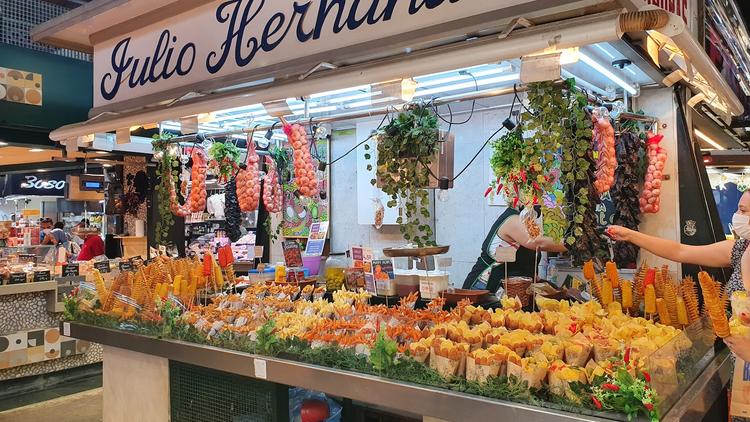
x=708, y=140
x=608, y=73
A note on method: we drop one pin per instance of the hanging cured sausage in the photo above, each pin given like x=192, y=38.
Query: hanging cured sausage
x=196, y=201
x=248, y=180
x=604, y=137
x=232, y=211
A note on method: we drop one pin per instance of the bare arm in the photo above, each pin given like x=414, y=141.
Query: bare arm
x=717, y=255
x=514, y=231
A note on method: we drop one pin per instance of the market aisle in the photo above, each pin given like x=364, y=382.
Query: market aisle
x=80, y=407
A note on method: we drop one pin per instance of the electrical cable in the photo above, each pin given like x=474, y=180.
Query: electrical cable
x=361, y=143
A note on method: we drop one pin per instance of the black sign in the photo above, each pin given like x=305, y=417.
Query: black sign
x=126, y=266
x=17, y=278
x=25, y=258
x=42, y=276
x=71, y=270
x=102, y=266
x=47, y=184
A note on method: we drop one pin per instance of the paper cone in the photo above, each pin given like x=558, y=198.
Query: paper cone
x=480, y=373
x=447, y=368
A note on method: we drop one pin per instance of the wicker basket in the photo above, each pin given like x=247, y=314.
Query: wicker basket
x=519, y=287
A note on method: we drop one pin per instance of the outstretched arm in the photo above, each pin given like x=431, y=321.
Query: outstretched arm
x=514, y=230
x=717, y=255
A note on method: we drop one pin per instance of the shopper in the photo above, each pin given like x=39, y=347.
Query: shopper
x=45, y=227
x=507, y=231
x=58, y=236
x=727, y=253
x=92, y=247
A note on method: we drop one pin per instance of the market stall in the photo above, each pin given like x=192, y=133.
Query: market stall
x=389, y=168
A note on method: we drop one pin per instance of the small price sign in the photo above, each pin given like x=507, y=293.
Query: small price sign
x=17, y=278
x=71, y=270
x=505, y=254
x=126, y=266
x=42, y=276
x=102, y=266
x=25, y=258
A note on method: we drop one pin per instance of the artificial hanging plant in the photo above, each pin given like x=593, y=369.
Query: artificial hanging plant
x=405, y=148
x=167, y=167
x=225, y=159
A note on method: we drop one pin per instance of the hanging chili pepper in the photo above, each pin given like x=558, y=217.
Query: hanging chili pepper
x=207, y=263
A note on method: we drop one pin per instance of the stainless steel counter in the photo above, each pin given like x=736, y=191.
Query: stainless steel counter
x=409, y=398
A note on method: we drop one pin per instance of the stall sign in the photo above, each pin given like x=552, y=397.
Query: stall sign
x=316, y=241
x=43, y=275
x=102, y=266
x=17, y=278
x=225, y=38
x=71, y=270
x=42, y=184
x=292, y=254
x=31, y=212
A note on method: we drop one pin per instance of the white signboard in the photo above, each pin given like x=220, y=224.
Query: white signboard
x=224, y=37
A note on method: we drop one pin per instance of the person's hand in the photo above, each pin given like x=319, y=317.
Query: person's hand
x=619, y=233
x=740, y=346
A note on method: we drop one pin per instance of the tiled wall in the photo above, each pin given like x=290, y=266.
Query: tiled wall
x=24, y=347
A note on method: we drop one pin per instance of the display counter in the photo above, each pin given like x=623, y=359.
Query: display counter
x=134, y=350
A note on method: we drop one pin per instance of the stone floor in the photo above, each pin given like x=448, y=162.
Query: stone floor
x=83, y=406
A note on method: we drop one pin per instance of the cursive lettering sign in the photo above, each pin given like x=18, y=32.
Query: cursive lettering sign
x=248, y=28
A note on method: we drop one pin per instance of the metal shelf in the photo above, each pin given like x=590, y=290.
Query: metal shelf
x=410, y=398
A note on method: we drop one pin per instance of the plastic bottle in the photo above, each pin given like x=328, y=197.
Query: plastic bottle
x=280, y=276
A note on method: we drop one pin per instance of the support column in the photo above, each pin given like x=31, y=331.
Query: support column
x=136, y=386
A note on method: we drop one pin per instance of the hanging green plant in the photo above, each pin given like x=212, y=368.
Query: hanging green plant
x=225, y=159
x=405, y=149
x=167, y=170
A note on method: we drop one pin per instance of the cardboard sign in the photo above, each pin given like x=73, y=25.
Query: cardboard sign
x=382, y=272
x=42, y=276
x=355, y=278
x=71, y=270
x=740, y=405
x=102, y=266
x=362, y=258
x=17, y=278
x=292, y=254
x=316, y=241
x=505, y=254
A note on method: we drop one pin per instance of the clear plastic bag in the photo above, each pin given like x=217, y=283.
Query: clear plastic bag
x=300, y=399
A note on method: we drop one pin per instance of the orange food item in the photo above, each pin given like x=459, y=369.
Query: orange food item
x=657, y=157
x=196, y=201
x=604, y=136
x=248, y=180
x=272, y=193
x=304, y=170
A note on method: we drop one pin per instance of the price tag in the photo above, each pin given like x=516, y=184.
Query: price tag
x=126, y=266
x=66, y=328
x=17, y=278
x=71, y=270
x=25, y=258
x=42, y=276
x=260, y=368
x=102, y=266
x=505, y=254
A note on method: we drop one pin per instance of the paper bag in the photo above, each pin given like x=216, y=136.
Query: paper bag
x=740, y=405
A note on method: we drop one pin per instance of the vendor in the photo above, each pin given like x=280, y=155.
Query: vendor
x=727, y=253
x=507, y=231
x=45, y=227
x=92, y=247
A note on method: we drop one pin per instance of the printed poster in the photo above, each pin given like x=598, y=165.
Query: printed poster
x=316, y=241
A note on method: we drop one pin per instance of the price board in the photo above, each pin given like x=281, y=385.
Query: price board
x=43, y=275
x=17, y=278
x=102, y=266
x=25, y=258
x=126, y=266
x=71, y=270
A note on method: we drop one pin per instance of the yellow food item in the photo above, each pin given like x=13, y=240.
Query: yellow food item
x=610, y=269
x=588, y=270
x=670, y=298
x=714, y=304
x=626, y=289
x=690, y=295
x=101, y=288
x=650, y=299
x=596, y=288
x=682, y=316
x=606, y=292
x=177, y=285
x=661, y=306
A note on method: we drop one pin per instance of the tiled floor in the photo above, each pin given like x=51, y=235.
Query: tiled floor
x=83, y=406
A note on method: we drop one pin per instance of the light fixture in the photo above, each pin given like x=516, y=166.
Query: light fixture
x=36, y=150
x=134, y=128
x=106, y=165
x=708, y=140
x=102, y=152
x=408, y=88
x=570, y=55
x=608, y=73
x=3, y=144
x=41, y=170
x=468, y=85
